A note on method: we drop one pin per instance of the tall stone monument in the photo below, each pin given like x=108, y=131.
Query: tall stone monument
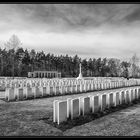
x=80, y=73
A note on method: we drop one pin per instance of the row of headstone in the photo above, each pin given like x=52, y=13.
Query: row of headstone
x=88, y=83
x=12, y=94
x=38, y=90
x=56, y=82
x=56, y=87
x=35, y=92
x=73, y=108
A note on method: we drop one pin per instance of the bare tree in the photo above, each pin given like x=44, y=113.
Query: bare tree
x=134, y=65
x=13, y=44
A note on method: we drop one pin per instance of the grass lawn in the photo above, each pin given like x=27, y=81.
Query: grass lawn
x=34, y=118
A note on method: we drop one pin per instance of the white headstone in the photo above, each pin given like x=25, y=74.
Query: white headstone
x=75, y=108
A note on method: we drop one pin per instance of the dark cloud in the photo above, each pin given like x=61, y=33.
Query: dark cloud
x=69, y=17
x=134, y=16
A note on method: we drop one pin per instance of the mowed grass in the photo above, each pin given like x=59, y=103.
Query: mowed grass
x=35, y=117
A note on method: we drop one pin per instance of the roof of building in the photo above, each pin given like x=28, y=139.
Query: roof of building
x=46, y=71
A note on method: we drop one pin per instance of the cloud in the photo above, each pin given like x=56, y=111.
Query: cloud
x=89, y=30
x=65, y=17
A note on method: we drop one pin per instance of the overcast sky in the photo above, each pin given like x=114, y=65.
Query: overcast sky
x=89, y=30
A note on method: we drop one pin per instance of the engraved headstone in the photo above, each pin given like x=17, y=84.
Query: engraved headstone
x=29, y=92
x=52, y=91
x=68, y=89
x=132, y=96
x=127, y=97
x=64, y=89
x=74, y=89
x=62, y=111
x=111, y=103
x=90, y=87
x=117, y=98
x=57, y=90
x=20, y=94
x=96, y=104
x=78, y=88
x=11, y=94
x=138, y=92
x=75, y=108
x=104, y=103
x=44, y=91
x=135, y=90
x=48, y=90
x=83, y=88
x=55, y=111
x=38, y=92
x=86, y=105
x=122, y=97
x=69, y=108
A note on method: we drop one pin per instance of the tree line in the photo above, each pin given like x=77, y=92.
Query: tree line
x=16, y=61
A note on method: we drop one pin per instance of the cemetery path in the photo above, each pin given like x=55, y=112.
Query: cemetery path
x=27, y=118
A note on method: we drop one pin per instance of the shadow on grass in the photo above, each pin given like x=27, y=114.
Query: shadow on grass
x=89, y=117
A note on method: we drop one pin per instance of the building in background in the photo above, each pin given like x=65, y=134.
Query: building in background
x=44, y=74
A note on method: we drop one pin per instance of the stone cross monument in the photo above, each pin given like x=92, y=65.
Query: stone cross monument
x=80, y=73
